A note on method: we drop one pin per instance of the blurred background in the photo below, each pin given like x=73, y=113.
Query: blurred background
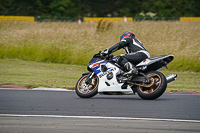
x=101, y=8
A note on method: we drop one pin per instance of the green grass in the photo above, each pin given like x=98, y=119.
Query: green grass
x=184, y=81
x=65, y=49
x=37, y=74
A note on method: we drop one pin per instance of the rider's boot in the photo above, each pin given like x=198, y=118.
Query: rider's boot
x=131, y=69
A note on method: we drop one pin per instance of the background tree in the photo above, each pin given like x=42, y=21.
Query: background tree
x=100, y=8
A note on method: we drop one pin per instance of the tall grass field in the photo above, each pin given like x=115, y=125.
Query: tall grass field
x=73, y=43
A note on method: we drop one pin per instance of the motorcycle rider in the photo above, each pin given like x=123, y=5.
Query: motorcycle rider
x=134, y=49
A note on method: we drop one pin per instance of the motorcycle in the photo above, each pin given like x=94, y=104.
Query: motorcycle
x=106, y=77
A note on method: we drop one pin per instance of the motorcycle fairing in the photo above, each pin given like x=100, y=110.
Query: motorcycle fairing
x=107, y=84
x=111, y=84
x=95, y=65
x=156, y=62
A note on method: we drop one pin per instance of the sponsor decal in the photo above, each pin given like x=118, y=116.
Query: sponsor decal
x=107, y=72
x=95, y=65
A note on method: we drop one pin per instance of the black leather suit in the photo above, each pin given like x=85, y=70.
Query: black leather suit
x=134, y=49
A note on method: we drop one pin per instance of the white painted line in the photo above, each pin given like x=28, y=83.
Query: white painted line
x=37, y=89
x=100, y=117
x=51, y=89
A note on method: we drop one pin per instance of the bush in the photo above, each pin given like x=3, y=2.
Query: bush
x=104, y=25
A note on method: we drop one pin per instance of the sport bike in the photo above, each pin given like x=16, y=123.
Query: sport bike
x=106, y=77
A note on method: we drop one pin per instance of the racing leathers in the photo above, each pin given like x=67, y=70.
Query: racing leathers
x=135, y=53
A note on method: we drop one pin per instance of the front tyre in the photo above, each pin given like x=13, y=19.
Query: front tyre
x=84, y=90
x=154, y=89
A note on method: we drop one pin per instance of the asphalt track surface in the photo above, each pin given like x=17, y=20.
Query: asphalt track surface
x=64, y=111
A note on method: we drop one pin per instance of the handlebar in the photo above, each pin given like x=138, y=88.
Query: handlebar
x=104, y=57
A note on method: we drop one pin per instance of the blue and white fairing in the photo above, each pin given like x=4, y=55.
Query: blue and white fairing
x=95, y=64
x=106, y=84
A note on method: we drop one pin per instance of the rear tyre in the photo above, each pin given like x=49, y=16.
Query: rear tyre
x=84, y=90
x=155, y=89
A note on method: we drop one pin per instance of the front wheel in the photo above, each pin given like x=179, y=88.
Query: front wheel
x=84, y=90
x=155, y=88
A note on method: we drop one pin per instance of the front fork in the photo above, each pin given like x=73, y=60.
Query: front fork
x=89, y=80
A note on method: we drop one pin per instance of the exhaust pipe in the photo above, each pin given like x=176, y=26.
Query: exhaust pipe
x=171, y=77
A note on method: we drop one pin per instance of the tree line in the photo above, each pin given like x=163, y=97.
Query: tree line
x=101, y=8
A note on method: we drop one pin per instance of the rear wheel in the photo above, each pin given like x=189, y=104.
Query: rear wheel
x=84, y=90
x=155, y=88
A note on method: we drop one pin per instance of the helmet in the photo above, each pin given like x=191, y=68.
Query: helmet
x=127, y=34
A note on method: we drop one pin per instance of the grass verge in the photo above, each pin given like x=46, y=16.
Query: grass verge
x=37, y=74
